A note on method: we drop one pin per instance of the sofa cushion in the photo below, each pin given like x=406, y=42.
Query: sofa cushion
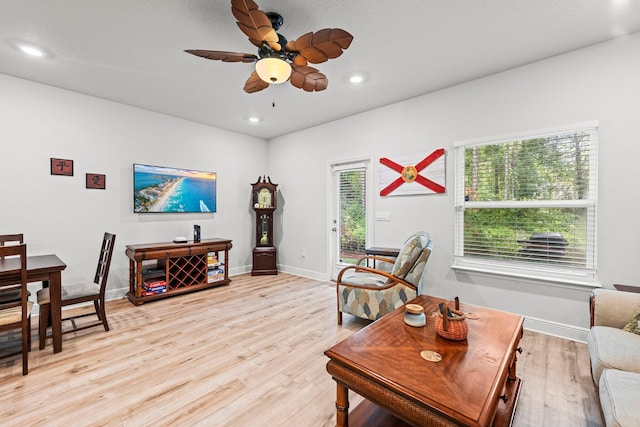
x=634, y=324
x=612, y=348
x=619, y=394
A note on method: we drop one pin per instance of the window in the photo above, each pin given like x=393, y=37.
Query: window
x=526, y=204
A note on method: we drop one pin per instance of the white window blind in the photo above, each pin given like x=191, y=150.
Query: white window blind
x=352, y=213
x=528, y=202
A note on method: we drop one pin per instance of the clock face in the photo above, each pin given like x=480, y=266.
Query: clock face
x=264, y=197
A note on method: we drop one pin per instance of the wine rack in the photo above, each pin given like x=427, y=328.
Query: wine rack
x=160, y=270
x=185, y=271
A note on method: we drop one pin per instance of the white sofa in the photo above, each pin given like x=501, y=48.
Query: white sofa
x=615, y=356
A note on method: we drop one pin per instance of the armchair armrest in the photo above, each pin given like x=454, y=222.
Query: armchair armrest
x=359, y=268
x=375, y=258
x=613, y=308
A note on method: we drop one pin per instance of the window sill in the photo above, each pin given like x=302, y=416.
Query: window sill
x=569, y=282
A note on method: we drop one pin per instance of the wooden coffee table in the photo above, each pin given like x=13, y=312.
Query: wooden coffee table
x=474, y=384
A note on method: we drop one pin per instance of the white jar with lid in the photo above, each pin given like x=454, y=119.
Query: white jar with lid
x=414, y=315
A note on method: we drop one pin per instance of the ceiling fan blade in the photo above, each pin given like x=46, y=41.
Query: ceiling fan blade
x=308, y=78
x=317, y=47
x=254, y=83
x=224, y=56
x=300, y=60
x=255, y=23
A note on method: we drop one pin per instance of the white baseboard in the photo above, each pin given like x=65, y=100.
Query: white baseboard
x=115, y=294
x=303, y=273
x=284, y=269
x=240, y=270
x=560, y=330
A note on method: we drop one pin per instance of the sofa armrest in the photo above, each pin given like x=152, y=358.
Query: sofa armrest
x=613, y=308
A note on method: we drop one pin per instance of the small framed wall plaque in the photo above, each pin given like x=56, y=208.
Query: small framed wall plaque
x=61, y=167
x=96, y=180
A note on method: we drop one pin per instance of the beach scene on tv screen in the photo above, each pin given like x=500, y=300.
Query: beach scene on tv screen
x=164, y=189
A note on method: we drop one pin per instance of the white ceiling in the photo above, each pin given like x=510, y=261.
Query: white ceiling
x=131, y=51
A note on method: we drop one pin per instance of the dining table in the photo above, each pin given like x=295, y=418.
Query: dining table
x=48, y=270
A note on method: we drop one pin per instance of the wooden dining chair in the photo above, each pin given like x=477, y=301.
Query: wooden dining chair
x=81, y=293
x=11, y=238
x=17, y=315
x=13, y=296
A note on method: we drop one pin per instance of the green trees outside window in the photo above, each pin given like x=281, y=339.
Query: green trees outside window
x=353, y=226
x=529, y=200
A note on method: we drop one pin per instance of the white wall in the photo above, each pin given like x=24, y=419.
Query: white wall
x=58, y=215
x=596, y=83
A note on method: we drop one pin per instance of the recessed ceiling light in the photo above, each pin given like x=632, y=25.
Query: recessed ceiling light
x=620, y=3
x=254, y=119
x=31, y=50
x=356, y=78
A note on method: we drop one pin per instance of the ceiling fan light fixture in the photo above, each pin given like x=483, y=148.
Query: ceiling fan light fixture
x=277, y=58
x=273, y=70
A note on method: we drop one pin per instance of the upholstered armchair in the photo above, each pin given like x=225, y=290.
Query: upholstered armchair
x=371, y=293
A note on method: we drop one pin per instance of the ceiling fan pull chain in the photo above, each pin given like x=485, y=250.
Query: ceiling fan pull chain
x=273, y=92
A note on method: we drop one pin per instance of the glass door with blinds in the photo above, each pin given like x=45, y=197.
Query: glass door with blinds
x=350, y=231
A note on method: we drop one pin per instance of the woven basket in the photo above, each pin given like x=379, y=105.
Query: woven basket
x=454, y=326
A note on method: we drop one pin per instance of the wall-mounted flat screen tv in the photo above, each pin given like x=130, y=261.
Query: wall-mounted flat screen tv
x=166, y=189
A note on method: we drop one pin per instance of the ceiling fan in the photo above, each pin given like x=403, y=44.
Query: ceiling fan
x=278, y=60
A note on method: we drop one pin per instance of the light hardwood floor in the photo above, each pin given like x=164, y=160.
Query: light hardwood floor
x=250, y=354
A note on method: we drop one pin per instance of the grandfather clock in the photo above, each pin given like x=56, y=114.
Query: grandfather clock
x=264, y=204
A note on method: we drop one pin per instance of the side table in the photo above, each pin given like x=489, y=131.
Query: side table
x=627, y=288
x=380, y=251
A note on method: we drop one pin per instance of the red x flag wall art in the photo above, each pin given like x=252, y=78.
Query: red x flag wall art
x=416, y=173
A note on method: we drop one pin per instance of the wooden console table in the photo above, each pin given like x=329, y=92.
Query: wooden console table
x=161, y=270
x=474, y=383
